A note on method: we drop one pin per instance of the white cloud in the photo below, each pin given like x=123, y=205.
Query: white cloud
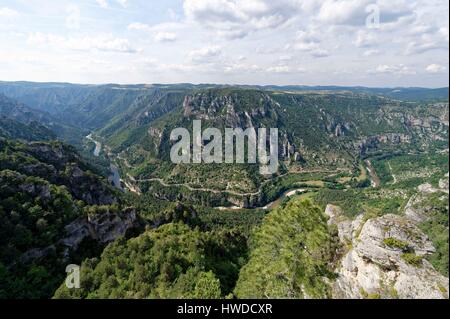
x=106, y=43
x=105, y=4
x=320, y=53
x=73, y=17
x=241, y=68
x=309, y=41
x=165, y=37
x=422, y=47
x=306, y=41
x=399, y=69
x=427, y=37
x=236, y=18
x=8, y=13
x=205, y=54
x=138, y=26
x=435, y=68
x=285, y=58
x=163, y=32
x=102, y=3
x=279, y=69
x=172, y=14
x=123, y=3
x=343, y=12
x=355, y=12
x=159, y=31
x=444, y=33
x=274, y=35
x=394, y=10
x=232, y=34
x=421, y=29
x=371, y=52
x=285, y=69
x=365, y=39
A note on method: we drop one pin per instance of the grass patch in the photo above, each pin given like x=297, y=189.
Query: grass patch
x=412, y=259
x=396, y=243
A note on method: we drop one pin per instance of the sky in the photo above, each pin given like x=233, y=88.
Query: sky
x=377, y=43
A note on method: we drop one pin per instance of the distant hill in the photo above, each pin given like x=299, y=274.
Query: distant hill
x=104, y=101
x=33, y=131
x=23, y=122
x=320, y=126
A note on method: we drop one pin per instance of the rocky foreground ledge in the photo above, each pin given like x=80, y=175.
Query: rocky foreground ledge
x=384, y=257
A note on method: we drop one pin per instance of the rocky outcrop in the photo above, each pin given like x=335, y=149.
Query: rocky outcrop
x=443, y=183
x=384, y=259
x=336, y=128
x=372, y=142
x=426, y=123
x=417, y=209
x=228, y=109
x=87, y=187
x=102, y=228
x=36, y=254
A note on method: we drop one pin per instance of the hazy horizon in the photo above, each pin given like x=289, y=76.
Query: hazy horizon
x=227, y=84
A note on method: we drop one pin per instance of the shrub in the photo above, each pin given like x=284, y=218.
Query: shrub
x=412, y=259
x=396, y=243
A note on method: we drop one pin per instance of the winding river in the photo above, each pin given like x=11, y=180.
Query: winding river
x=114, y=178
x=270, y=205
x=98, y=145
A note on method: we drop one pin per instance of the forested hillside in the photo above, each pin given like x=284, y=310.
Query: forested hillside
x=357, y=209
x=44, y=188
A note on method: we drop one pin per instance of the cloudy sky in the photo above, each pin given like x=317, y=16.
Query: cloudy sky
x=310, y=42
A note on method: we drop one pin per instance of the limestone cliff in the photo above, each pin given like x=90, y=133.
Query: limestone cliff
x=384, y=258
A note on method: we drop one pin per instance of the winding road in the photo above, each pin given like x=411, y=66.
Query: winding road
x=393, y=176
x=288, y=193
x=115, y=178
x=215, y=191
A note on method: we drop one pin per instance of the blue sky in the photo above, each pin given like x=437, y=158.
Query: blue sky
x=328, y=42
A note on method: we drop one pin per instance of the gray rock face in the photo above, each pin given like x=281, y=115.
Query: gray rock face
x=414, y=214
x=372, y=142
x=416, y=210
x=443, y=183
x=226, y=109
x=377, y=265
x=346, y=228
x=103, y=228
x=36, y=254
x=36, y=190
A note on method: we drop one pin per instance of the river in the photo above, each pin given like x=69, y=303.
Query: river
x=98, y=145
x=374, y=179
x=286, y=194
x=114, y=178
x=270, y=205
